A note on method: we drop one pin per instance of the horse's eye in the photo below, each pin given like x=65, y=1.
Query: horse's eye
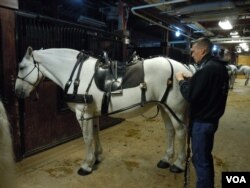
x=21, y=68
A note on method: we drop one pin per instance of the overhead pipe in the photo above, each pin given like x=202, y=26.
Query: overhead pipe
x=230, y=40
x=199, y=8
x=199, y=28
x=213, y=17
x=133, y=9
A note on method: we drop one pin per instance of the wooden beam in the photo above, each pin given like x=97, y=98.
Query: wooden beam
x=9, y=4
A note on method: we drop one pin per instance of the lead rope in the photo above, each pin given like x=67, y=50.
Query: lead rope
x=187, y=165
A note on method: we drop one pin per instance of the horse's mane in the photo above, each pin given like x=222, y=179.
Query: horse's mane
x=58, y=51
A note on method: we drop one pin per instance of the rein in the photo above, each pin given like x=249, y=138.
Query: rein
x=187, y=165
x=169, y=84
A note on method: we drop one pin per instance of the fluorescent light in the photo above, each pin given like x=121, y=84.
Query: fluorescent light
x=234, y=33
x=225, y=24
x=235, y=36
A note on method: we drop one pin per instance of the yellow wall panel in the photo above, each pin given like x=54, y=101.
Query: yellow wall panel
x=244, y=60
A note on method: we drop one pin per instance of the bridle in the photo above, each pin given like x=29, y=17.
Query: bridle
x=36, y=66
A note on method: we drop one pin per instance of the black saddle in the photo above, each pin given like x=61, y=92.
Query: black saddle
x=113, y=76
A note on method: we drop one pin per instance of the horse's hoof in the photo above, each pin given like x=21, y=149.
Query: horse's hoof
x=83, y=172
x=163, y=164
x=97, y=162
x=175, y=169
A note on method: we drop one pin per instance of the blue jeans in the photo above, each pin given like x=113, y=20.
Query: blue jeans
x=202, y=139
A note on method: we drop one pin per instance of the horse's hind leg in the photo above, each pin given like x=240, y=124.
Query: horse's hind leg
x=170, y=133
x=98, y=147
x=87, y=131
x=180, y=132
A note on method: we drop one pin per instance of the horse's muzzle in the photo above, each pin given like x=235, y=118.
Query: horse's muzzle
x=20, y=93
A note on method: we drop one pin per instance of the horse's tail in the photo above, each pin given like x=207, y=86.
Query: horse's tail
x=7, y=165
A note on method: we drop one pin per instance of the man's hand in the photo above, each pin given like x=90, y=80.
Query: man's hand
x=181, y=76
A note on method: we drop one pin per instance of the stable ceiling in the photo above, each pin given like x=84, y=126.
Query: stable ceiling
x=200, y=18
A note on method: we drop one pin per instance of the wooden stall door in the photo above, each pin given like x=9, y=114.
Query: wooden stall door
x=45, y=123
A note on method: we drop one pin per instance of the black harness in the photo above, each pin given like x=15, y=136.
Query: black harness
x=86, y=98
x=78, y=98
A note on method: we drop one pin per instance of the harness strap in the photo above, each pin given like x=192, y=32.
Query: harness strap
x=70, y=78
x=143, y=88
x=81, y=57
x=87, y=90
x=169, y=83
x=77, y=80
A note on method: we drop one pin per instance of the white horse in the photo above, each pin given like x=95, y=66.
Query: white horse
x=7, y=165
x=244, y=69
x=232, y=72
x=57, y=65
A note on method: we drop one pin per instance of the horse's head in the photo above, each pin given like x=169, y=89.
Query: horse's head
x=29, y=75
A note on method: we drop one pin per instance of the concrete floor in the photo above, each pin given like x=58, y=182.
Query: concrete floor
x=132, y=150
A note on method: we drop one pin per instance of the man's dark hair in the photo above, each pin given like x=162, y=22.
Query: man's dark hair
x=205, y=43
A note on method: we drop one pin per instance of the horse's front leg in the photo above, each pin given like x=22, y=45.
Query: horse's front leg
x=247, y=79
x=98, y=147
x=87, y=131
x=233, y=80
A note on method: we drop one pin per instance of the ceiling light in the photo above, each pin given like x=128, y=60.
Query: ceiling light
x=177, y=33
x=225, y=24
x=214, y=48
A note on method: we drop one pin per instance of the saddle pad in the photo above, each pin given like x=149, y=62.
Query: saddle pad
x=134, y=75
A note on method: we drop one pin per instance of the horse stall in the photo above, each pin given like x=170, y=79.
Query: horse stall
x=131, y=149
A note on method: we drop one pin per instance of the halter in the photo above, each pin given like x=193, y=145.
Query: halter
x=36, y=65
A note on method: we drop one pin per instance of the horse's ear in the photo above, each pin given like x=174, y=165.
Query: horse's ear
x=29, y=51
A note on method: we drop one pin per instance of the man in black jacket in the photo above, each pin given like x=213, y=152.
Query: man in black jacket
x=206, y=91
